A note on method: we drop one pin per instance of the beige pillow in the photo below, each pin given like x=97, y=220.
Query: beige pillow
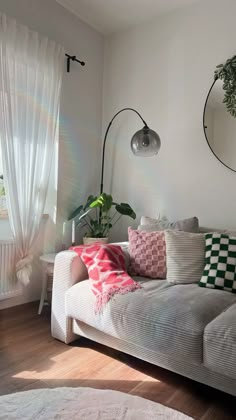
x=148, y=224
x=185, y=256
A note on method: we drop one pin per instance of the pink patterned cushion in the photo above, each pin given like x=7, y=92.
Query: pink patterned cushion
x=147, y=254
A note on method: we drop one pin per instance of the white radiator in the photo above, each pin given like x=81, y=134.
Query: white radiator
x=8, y=283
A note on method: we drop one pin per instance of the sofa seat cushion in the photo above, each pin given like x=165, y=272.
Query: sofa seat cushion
x=220, y=343
x=166, y=318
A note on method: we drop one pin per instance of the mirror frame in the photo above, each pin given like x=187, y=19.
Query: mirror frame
x=204, y=127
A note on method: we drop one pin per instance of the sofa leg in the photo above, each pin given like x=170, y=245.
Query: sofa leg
x=62, y=329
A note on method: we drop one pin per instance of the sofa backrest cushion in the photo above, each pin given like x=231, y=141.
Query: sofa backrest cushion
x=148, y=224
x=185, y=253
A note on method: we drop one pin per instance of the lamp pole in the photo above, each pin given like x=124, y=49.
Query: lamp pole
x=105, y=139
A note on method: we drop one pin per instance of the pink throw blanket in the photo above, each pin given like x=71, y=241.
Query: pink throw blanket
x=106, y=269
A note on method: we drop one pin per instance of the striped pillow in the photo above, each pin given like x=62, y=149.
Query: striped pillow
x=185, y=254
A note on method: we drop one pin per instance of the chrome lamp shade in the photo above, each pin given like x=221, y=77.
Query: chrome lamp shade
x=145, y=142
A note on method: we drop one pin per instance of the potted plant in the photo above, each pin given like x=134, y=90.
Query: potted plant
x=98, y=217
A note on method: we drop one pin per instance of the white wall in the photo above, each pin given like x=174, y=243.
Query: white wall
x=80, y=114
x=224, y=136
x=209, y=124
x=164, y=69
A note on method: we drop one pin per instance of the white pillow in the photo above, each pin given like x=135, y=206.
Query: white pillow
x=185, y=256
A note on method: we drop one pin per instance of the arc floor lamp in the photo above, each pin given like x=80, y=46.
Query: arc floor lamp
x=144, y=142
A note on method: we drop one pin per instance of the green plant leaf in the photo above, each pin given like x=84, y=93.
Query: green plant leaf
x=107, y=202
x=90, y=199
x=104, y=201
x=98, y=202
x=75, y=213
x=84, y=214
x=125, y=210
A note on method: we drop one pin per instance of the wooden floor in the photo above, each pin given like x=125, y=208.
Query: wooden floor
x=30, y=358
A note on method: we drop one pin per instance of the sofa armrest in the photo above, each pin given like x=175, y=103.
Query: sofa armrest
x=219, y=349
x=68, y=270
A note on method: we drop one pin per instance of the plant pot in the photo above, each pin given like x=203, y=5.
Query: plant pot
x=88, y=241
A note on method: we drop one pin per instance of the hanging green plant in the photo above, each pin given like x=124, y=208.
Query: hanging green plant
x=227, y=73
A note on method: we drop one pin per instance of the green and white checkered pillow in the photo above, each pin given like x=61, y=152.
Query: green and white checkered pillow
x=220, y=262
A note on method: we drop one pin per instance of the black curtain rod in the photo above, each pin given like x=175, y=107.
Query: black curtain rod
x=73, y=58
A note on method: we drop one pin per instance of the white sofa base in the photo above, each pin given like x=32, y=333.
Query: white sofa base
x=197, y=373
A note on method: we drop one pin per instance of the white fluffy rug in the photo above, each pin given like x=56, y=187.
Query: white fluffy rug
x=82, y=403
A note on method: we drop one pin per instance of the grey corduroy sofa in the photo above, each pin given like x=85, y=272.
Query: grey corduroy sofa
x=183, y=328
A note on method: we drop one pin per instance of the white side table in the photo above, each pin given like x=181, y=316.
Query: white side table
x=48, y=267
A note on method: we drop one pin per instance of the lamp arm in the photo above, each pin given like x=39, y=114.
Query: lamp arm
x=105, y=139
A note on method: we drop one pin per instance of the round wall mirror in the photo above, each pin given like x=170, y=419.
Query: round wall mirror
x=220, y=126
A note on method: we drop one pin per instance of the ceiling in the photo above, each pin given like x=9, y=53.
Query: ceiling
x=109, y=16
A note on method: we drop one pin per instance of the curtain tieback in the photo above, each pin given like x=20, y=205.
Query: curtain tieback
x=24, y=269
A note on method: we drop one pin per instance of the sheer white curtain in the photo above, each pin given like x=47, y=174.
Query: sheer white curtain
x=30, y=83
